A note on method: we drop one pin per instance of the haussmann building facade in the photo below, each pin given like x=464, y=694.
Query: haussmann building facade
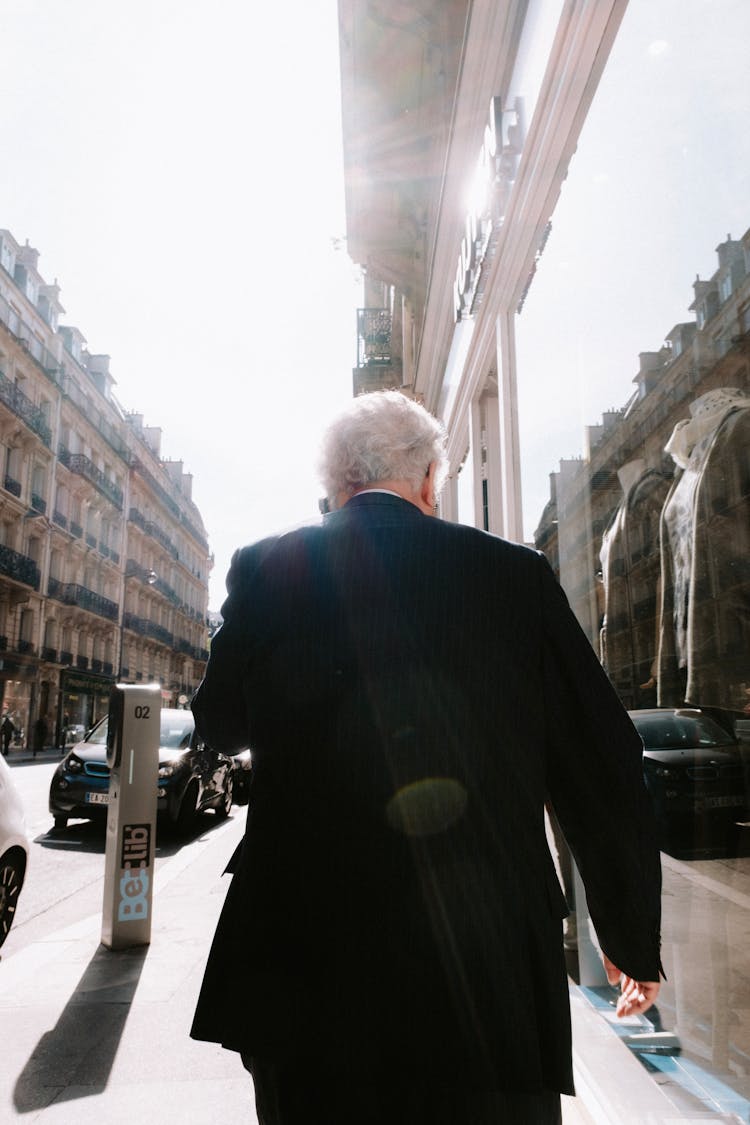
x=104, y=559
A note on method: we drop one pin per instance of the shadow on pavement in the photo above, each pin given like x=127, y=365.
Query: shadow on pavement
x=75, y=1058
x=90, y=836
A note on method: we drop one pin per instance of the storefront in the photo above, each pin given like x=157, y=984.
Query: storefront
x=83, y=700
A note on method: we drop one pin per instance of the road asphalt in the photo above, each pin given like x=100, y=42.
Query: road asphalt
x=95, y=1037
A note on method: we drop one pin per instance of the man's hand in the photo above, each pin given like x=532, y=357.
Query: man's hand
x=636, y=996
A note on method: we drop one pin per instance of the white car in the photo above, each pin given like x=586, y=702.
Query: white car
x=14, y=849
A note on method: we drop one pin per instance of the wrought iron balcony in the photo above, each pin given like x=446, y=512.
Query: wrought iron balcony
x=20, y=567
x=71, y=594
x=22, y=406
x=12, y=485
x=186, y=648
x=24, y=334
x=82, y=465
x=134, y=569
x=76, y=530
x=25, y=647
x=137, y=518
x=38, y=503
x=156, y=533
x=49, y=654
x=147, y=628
x=66, y=657
x=374, y=337
x=82, y=662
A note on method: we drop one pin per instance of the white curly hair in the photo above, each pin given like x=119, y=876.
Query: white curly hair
x=381, y=436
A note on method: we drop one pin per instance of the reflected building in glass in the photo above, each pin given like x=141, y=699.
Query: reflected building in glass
x=649, y=530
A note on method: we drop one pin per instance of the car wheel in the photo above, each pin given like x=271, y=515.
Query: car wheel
x=60, y=823
x=188, y=809
x=12, y=871
x=224, y=806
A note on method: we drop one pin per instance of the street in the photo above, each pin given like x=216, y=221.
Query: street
x=65, y=877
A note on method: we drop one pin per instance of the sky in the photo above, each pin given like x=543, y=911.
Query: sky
x=177, y=163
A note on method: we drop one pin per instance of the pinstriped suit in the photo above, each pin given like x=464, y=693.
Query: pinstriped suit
x=413, y=690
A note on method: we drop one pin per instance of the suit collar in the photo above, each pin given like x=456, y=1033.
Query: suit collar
x=378, y=506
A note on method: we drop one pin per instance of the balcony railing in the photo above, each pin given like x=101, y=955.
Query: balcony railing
x=82, y=662
x=25, y=647
x=24, y=408
x=49, y=655
x=103, y=427
x=66, y=657
x=24, y=334
x=12, y=485
x=137, y=518
x=168, y=501
x=374, y=337
x=20, y=567
x=70, y=594
x=60, y=519
x=186, y=648
x=38, y=504
x=134, y=569
x=147, y=628
x=82, y=465
x=156, y=533
x=76, y=529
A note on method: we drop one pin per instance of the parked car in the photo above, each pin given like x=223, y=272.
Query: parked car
x=14, y=849
x=192, y=776
x=692, y=766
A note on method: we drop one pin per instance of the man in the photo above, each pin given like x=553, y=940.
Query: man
x=413, y=690
x=7, y=730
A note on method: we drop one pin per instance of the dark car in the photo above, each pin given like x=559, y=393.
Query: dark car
x=692, y=766
x=192, y=776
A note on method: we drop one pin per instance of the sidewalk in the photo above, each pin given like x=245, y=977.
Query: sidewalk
x=92, y=1037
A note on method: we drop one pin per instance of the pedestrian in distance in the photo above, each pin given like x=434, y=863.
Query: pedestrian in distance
x=7, y=730
x=413, y=690
x=39, y=735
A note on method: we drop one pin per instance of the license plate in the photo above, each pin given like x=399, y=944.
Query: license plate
x=97, y=798
x=728, y=802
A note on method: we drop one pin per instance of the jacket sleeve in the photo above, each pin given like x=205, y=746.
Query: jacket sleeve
x=219, y=705
x=595, y=783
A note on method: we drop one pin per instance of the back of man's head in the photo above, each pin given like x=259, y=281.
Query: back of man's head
x=383, y=436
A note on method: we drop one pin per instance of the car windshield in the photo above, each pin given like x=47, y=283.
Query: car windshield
x=176, y=729
x=685, y=730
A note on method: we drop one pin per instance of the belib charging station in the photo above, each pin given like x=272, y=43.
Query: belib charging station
x=133, y=759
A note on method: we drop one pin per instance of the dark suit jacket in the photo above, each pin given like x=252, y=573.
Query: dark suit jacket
x=413, y=691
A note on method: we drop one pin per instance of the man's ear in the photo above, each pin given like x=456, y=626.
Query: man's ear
x=427, y=489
